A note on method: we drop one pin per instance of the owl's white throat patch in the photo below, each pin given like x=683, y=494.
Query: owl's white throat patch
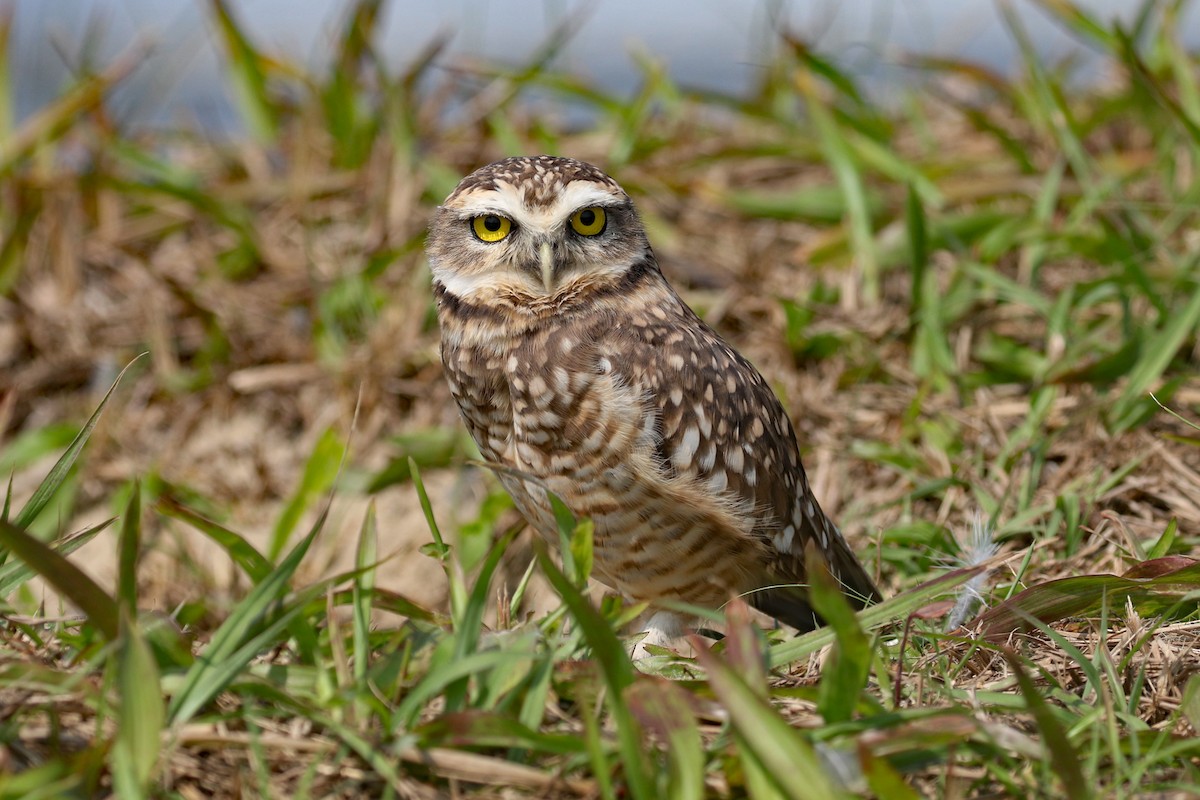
x=465, y=287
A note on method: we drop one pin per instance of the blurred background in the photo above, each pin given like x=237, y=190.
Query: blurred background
x=708, y=45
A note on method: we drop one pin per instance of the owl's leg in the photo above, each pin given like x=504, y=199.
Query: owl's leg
x=663, y=628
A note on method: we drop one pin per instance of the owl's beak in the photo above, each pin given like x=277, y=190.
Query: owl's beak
x=547, y=258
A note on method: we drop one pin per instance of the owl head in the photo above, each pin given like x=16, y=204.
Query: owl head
x=534, y=228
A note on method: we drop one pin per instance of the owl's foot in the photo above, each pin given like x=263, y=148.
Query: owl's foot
x=663, y=629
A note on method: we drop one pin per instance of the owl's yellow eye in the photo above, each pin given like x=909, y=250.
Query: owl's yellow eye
x=491, y=227
x=589, y=221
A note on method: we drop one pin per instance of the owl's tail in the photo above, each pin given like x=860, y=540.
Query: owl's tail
x=790, y=605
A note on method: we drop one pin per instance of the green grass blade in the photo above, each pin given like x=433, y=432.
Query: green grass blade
x=662, y=709
x=65, y=577
x=891, y=610
x=594, y=743
x=209, y=676
x=1084, y=595
x=581, y=550
x=1046, y=103
x=467, y=628
x=128, y=548
x=436, y=681
x=849, y=665
x=14, y=573
x=245, y=555
x=882, y=779
x=57, y=119
x=744, y=646
x=840, y=156
x=248, y=70
x=1191, y=701
x=614, y=666
x=1157, y=354
x=789, y=759
x=211, y=671
x=363, y=591
x=438, y=549
x=491, y=729
x=320, y=472
x=58, y=473
x=1162, y=545
x=350, y=116
x=140, y=713
x=518, y=595
x=1063, y=757
x=918, y=245
x=606, y=647
x=1183, y=71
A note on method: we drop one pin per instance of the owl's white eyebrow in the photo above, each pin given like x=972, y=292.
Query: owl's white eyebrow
x=507, y=201
x=581, y=195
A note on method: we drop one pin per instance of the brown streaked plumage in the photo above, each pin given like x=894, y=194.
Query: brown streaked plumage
x=573, y=360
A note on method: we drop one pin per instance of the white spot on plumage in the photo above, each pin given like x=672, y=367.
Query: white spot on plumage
x=782, y=539
x=734, y=460
x=676, y=395
x=687, y=448
x=538, y=389
x=537, y=436
x=594, y=441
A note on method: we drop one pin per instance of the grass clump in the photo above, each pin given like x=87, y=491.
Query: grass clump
x=965, y=301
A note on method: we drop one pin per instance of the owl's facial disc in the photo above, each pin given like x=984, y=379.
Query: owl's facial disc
x=539, y=247
x=534, y=228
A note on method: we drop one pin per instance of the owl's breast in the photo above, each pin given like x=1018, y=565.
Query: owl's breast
x=562, y=408
x=478, y=385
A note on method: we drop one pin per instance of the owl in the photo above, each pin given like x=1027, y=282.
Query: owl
x=574, y=362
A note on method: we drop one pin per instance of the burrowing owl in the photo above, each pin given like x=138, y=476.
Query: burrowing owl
x=573, y=360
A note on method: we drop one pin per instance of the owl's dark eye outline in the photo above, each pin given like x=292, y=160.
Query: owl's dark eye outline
x=491, y=228
x=590, y=221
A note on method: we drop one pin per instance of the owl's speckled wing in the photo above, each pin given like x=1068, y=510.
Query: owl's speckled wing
x=719, y=424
